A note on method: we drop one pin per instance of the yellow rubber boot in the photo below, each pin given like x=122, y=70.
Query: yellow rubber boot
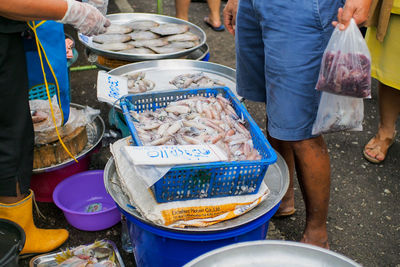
x=37, y=240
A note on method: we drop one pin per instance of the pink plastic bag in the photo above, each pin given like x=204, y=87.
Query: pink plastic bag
x=346, y=64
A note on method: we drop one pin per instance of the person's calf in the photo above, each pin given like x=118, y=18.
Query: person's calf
x=287, y=205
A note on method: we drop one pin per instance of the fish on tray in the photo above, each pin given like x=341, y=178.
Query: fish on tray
x=187, y=36
x=139, y=51
x=141, y=25
x=118, y=29
x=111, y=38
x=170, y=28
x=97, y=254
x=149, y=43
x=167, y=49
x=172, y=47
x=114, y=46
x=197, y=120
x=195, y=80
x=143, y=35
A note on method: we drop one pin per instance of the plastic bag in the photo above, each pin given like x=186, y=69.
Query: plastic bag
x=346, y=64
x=338, y=113
x=43, y=124
x=178, y=214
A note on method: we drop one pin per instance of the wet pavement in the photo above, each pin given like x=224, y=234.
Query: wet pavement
x=364, y=215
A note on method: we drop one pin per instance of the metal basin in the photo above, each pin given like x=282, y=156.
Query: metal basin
x=109, y=64
x=95, y=131
x=271, y=253
x=122, y=18
x=161, y=72
x=276, y=178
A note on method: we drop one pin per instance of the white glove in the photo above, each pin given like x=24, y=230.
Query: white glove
x=101, y=5
x=85, y=18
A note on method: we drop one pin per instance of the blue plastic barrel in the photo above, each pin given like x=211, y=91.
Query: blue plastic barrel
x=206, y=57
x=156, y=246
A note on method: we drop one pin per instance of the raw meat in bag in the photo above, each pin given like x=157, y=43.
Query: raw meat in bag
x=346, y=64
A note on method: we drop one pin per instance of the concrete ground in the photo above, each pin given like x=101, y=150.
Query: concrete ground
x=363, y=221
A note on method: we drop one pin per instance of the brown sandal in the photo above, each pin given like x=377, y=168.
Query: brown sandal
x=377, y=144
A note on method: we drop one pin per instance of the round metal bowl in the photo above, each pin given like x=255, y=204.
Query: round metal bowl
x=161, y=72
x=198, y=54
x=95, y=131
x=271, y=253
x=122, y=18
x=276, y=178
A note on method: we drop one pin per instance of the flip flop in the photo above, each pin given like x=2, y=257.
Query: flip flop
x=284, y=213
x=388, y=141
x=217, y=29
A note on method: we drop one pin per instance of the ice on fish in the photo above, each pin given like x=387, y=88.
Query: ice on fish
x=139, y=50
x=118, y=29
x=141, y=25
x=111, y=38
x=170, y=28
x=149, y=43
x=187, y=36
x=114, y=46
x=143, y=35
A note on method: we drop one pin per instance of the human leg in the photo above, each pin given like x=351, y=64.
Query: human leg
x=214, y=18
x=182, y=9
x=292, y=61
x=13, y=199
x=16, y=135
x=313, y=172
x=286, y=207
x=385, y=68
x=389, y=110
x=16, y=148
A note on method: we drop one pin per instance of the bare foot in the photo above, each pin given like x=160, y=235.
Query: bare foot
x=319, y=242
x=216, y=25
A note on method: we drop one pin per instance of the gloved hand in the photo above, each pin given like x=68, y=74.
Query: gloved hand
x=101, y=5
x=85, y=18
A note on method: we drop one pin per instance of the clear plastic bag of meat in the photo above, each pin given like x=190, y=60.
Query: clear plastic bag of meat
x=43, y=124
x=346, y=64
x=338, y=113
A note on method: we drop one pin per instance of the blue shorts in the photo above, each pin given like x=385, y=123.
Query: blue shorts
x=279, y=47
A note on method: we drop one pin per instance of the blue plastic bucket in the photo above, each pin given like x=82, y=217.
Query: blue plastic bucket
x=154, y=246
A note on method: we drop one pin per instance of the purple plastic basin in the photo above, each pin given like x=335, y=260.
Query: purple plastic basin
x=79, y=194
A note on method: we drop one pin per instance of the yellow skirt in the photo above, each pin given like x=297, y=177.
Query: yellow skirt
x=385, y=66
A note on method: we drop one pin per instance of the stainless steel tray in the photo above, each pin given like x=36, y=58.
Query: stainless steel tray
x=122, y=18
x=95, y=132
x=276, y=178
x=47, y=260
x=273, y=254
x=161, y=72
x=197, y=54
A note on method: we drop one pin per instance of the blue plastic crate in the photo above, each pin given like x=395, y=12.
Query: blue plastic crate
x=206, y=180
x=39, y=91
